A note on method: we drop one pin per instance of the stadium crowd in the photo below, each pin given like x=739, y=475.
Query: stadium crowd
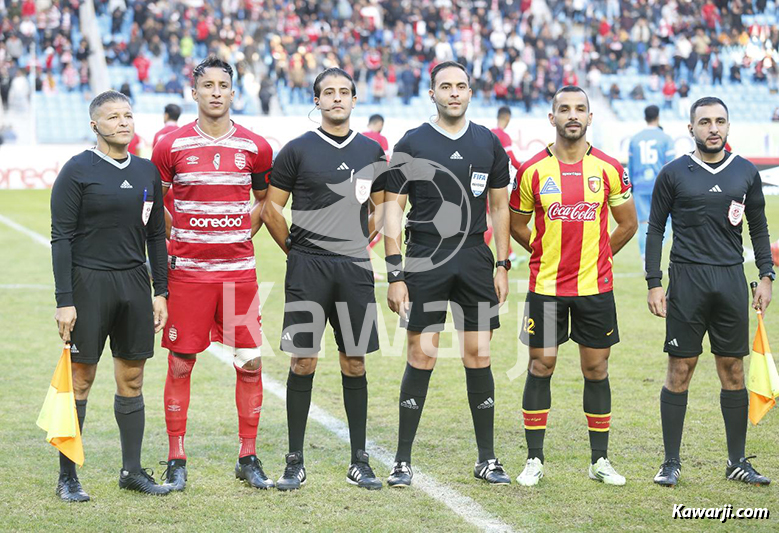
x=678, y=44
x=518, y=52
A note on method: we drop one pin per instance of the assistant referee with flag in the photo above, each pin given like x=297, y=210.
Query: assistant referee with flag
x=106, y=206
x=707, y=193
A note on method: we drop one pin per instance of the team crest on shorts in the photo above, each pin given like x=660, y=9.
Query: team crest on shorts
x=240, y=160
x=173, y=334
x=478, y=183
x=362, y=189
x=594, y=183
x=735, y=213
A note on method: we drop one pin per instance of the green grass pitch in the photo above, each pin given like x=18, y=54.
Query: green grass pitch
x=566, y=500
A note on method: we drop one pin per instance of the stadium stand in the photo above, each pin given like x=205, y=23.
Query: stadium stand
x=517, y=52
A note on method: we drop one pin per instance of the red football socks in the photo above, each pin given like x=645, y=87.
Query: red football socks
x=248, y=400
x=177, y=403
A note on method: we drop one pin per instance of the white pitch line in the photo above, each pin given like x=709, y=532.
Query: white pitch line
x=463, y=506
x=37, y=237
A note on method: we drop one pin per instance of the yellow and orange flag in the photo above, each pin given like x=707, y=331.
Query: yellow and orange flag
x=58, y=416
x=763, y=381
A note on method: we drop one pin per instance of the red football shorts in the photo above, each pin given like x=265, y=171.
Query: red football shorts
x=201, y=313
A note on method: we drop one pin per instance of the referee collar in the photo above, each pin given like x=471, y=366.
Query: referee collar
x=712, y=170
x=111, y=160
x=452, y=136
x=328, y=140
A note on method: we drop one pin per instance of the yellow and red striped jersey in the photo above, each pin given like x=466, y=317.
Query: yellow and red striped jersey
x=571, y=252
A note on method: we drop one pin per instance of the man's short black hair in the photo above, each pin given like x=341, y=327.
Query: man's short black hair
x=447, y=64
x=375, y=118
x=651, y=113
x=104, y=98
x=504, y=111
x=569, y=89
x=706, y=101
x=332, y=71
x=211, y=62
x=173, y=111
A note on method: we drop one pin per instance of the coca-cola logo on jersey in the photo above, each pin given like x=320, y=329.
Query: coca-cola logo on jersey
x=581, y=212
x=226, y=222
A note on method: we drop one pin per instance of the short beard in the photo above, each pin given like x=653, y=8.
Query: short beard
x=704, y=149
x=563, y=132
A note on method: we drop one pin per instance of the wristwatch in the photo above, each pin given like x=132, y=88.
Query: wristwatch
x=506, y=263
x=769, y=275
x=164, y=294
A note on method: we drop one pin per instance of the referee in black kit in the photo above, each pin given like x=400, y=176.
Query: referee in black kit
x=105, y=207
x=472, y=166
x=334, y=176
x=707, y=193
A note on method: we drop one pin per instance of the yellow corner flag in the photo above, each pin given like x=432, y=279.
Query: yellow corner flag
x=763, y=378
x=58, y=415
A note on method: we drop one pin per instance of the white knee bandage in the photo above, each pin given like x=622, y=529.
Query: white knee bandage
x=244, y=355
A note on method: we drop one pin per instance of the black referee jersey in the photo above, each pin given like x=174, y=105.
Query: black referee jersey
x=104, y=213
x=707, y=203
x=476, y=159
x=331, y=180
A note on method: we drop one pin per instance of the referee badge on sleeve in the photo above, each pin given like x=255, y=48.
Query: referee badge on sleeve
x=146, y=211
x=735, y=213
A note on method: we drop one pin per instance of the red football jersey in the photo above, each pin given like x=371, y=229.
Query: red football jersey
x=505, y=142
x=379, y=138
x=134, y=144
x=169, y=127
x=210, y=241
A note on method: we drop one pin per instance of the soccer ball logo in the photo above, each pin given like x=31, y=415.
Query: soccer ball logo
x=339, y=225
x=452, y=216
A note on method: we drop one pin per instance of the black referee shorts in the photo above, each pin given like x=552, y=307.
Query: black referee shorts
x=706, y=298
x=593, y=320
x=115, y=304
x=320, y=288
x=464, y=280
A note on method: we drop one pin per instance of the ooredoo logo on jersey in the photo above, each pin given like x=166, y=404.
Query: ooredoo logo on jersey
x=225, y=222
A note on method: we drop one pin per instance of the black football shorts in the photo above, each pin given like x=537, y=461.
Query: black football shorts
x=707, y=298
x=115, y=304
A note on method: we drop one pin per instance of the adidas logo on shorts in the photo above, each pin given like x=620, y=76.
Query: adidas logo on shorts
x=673, y=342
x=73, y=349
x=409, y=404
x=456, y=155
x=286, y=337
x=489, y=403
